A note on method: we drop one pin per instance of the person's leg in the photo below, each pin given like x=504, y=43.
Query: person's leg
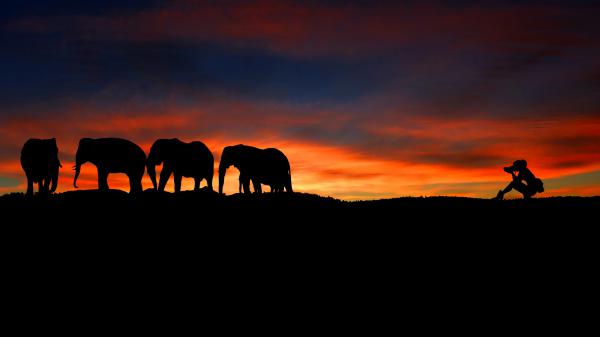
x=529, y=191
x=507, y=189
x=523, y=189
x=514, y=184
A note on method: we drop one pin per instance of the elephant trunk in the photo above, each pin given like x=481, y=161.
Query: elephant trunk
x=222, y=169
x=152, y=173
x=54, y=179
x=288, y=182
x=77, y=169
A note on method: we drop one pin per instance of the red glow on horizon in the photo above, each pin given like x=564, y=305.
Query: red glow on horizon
x=367, y=100
x=340, y=173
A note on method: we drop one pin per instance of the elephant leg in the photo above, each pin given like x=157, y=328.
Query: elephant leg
x=135, y=185
x=241, y=180
x=40, y=186
x=45, y=185
x=177, y=181
x=288, y=184
x=209, y=182
x=257, y=187
x=197, y=181
x=103, y=180
x=165, y=173
x=246, y=186
x=29, y=186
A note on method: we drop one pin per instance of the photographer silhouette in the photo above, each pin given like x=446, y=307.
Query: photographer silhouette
x=531, y=186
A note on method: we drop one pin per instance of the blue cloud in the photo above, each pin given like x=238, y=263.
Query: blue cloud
x=54, y=66
x=45, y=8
x=8, y=182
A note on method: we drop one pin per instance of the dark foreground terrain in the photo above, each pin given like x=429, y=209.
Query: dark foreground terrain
x=206, y=224
x=297, y=250
x=209, y=209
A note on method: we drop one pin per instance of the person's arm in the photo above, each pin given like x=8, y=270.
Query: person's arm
x=519, y=176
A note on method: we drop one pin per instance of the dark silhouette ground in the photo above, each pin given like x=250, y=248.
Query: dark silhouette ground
x=206, y=209
x=299, y=250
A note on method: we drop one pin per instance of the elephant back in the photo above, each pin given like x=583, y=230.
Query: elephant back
x=122, y=148
x=201, y=149
x=38, y=156
x=196, y=157
x=275, y=167
x=277, y=160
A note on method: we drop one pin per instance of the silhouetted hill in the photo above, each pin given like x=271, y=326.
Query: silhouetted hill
x=299, y=224
x=210, y=208
x=297, y=243
x=287, y=227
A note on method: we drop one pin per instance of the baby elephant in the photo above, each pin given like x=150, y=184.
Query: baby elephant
x=275, y=186
x=39, y=159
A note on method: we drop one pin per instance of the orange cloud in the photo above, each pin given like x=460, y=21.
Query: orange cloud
x=388, y=157
x=335, y=172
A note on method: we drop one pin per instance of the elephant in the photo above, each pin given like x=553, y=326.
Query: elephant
x=39, y=159
x=276, y=187
x=112, y=155
x=192, y=160
x=261, y=166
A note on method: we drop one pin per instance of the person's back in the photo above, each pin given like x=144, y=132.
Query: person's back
x=526, y=175
x=535, y=184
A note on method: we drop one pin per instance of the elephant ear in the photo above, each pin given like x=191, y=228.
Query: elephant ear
x=55, y=148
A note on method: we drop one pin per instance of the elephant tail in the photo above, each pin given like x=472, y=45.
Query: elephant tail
x=288, y=181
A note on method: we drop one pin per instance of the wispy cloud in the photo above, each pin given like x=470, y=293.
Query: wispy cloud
x=407, y=156
x=368, y=99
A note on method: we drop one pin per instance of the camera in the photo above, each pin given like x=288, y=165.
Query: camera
x=509, y=169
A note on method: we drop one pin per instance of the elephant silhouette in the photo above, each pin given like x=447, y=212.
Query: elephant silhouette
x=192, y=160
x=112, y=155
x=241, y=180
x=275, y=187
x=39, y=160
x=261, y=166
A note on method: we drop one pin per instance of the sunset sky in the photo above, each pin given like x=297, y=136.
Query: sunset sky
x=368, y=99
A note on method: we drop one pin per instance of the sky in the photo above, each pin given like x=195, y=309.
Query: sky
x=368, y=99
